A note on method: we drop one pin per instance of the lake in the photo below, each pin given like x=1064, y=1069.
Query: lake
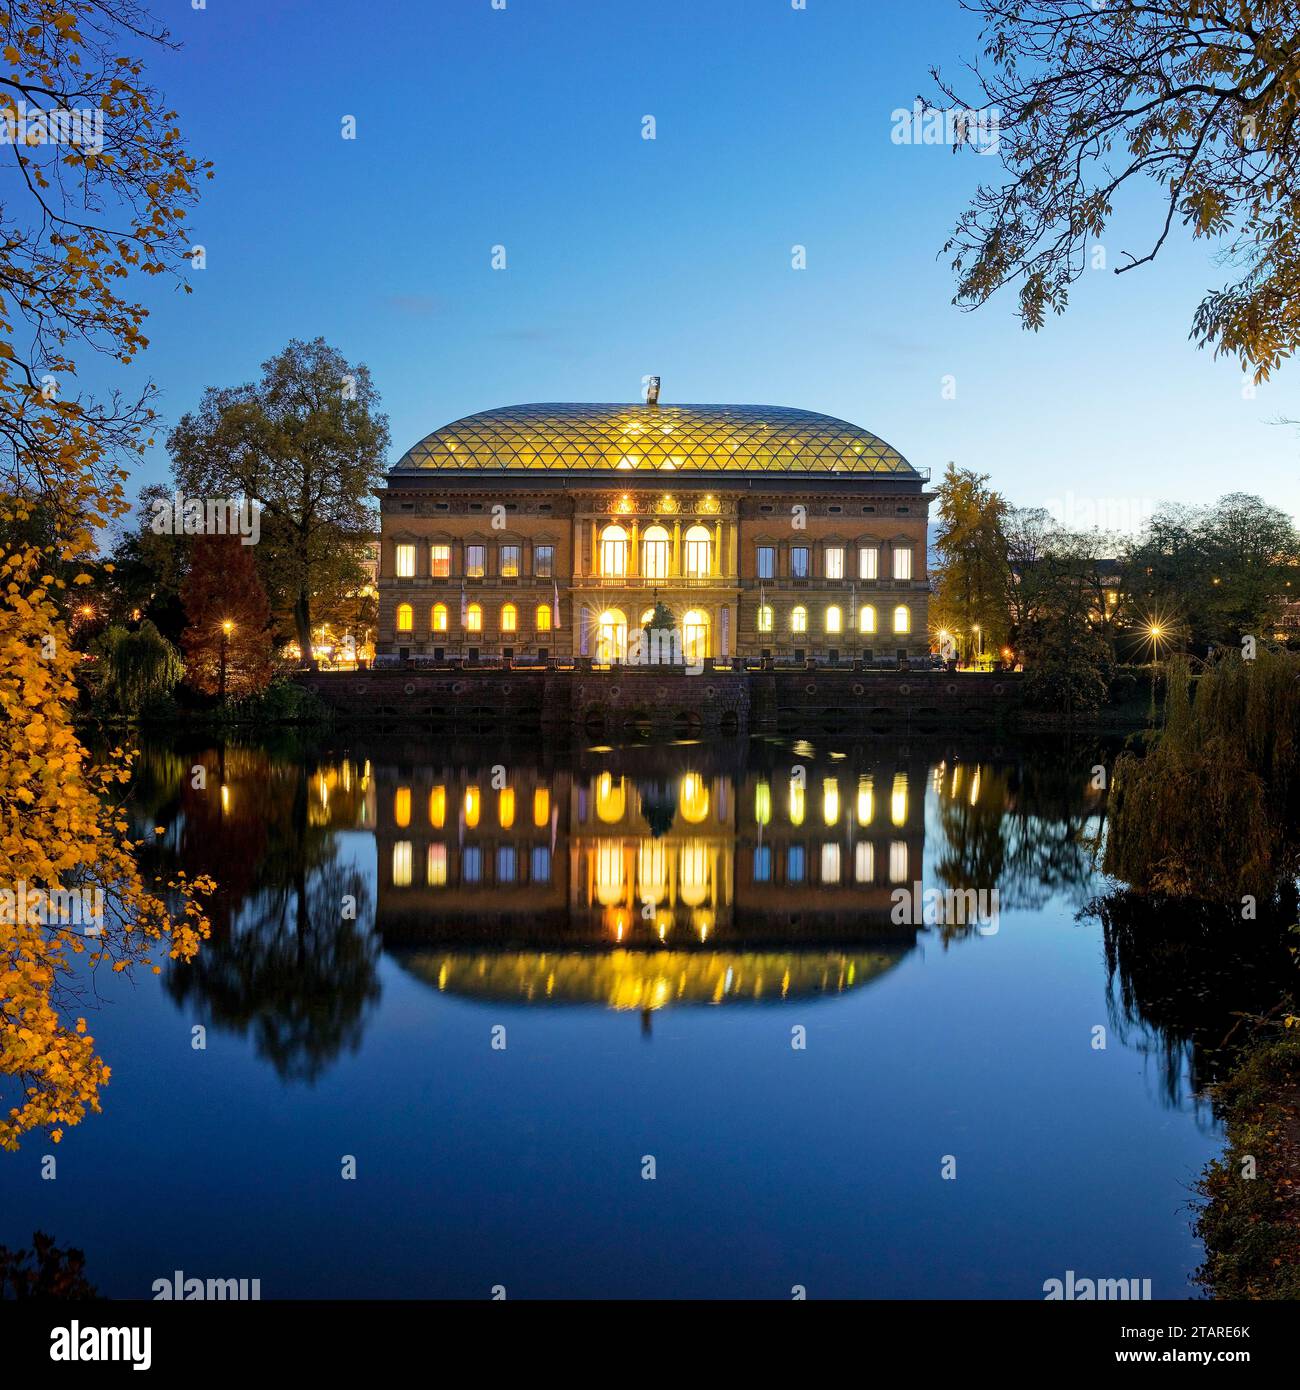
x=648, y=1021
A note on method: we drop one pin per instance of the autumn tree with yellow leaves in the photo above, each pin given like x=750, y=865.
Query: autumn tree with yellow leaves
x=97, y=191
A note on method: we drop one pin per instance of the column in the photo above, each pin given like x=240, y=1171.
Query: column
x=633, y=561
x=677, y=549
x=716, y=567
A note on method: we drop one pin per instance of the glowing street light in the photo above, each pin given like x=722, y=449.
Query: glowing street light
x=227, y=627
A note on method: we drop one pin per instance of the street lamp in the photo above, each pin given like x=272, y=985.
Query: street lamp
x=227, y=627
x=979, y=642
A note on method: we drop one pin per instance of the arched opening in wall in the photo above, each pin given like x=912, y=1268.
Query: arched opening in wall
x=834, y=718
x=613, y=552
x=639, y=722
x=686, y=722
x=655, y=547
x=696, y=552
x=729, y=722
x=788, y=720
x=695, y=636
x=593, y=720
x=611, y=636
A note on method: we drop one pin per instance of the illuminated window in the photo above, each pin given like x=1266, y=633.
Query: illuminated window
x=655, y=553
x=867, y=618
x=475, y=561
x=796, y=800
x=799, y=619
x=834, y=619
x=902, y=562
x=611, y=636
x=473, y=804
x=405, y=557
x=402, y=864
x=765, y=617
x=405, y=617
x=834, y=562
x=440, y=561
x=864, y=861
x=541, y=806
x=438, y=618
x=763, y=803
x=438, y=807
x=830, y=800
x=539, y=865
x=695, y=635
x=762, y=863
x=866, y=800
x=402, y=807
x=799, y=562
x=830, y=863
x=507, y=864
x=613, y=552
x=509, y=617
x=436, y=866
x=473, y=618
x=611, y=798
x=898, y=862
x=543, y=617
x=794, y=864
x=506, y=807
x=510, y=559
x=693, y=873
x=543, y=561
x=694, y=798
x=898, y=799
x=471, y=864
x=869, y=562
x=698, y=548
x=766, y=557
x=902, y=618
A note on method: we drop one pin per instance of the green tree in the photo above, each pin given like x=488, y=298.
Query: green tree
x=971, y=575
x=307, y=443
x=1092, y=99
x=136, y=668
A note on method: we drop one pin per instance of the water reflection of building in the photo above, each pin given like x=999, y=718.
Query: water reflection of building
x=628, y=884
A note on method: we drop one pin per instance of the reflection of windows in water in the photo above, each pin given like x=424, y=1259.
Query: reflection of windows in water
x=898, y=862
x=541, y=807
x=402, y=864
x=506, y=863
x=763, y=864
x=539, y=867
x=794, y=859
x=830, y=863
x=437, y=866
x=471, y=864
x=864, y=861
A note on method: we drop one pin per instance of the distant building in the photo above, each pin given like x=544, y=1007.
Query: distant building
x=542, y=531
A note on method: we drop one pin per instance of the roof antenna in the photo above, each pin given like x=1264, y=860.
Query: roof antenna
x=652, y=390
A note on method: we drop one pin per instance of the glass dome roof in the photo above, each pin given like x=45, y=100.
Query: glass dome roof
x=668, y=438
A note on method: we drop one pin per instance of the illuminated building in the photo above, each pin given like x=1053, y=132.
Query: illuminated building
x=539, y=532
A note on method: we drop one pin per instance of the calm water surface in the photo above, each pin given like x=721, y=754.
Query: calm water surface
x=649, y=926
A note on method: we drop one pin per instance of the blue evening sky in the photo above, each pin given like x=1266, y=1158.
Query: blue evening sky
x=522, y=127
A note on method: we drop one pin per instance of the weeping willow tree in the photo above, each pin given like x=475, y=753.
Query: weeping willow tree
x=1209, y=810
x=136, y=668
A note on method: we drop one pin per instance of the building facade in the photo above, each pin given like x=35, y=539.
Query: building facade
x=556, y=531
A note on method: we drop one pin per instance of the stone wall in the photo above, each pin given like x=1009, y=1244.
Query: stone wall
x=638, y=700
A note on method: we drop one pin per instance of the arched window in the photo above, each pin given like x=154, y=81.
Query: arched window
x=698, y=548
x=654, y=553
x=543, y=617
x=473, y=804
x=695, y=635
x=613, y=552
x=834, y=619
x=438, y=618
x=902, y=618
x=799, y=619
x=867, y=618
x=765, y=617
x=611, y=636
x=473, y=618
x=611, y=798
x=405, y=617
x=509, y=617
